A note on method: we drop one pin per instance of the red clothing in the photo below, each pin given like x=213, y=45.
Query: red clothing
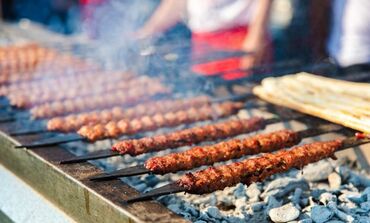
x=204, y=44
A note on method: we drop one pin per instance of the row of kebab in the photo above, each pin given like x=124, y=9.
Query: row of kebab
x=73, y=95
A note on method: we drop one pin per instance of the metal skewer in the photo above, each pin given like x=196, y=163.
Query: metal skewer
x=140, y=169
x=7, y=118
x=106, y=153
x=52, y=141
x=28, y=131
x=168, y=189
x=176, y=188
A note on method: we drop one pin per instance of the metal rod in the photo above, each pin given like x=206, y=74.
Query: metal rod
x=321, y=129
x=52, y=141
x=127, y=172
x=91, y=156
x=27, y=131
x=165, y=190
x=353, y=142
x=7, y=118
x=175, y=188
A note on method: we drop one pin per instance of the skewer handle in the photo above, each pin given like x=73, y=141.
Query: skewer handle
x=165, y=190
x=52, y=141
x=92, y=156
x=130, y=171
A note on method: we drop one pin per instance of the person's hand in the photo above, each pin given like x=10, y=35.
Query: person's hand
x=258, y=47
x=145, y=32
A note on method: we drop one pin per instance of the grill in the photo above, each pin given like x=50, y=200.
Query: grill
x=54, y=164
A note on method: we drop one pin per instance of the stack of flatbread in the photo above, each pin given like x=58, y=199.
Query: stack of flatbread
x=343, y=102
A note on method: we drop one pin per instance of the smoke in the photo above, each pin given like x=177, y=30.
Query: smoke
x=113, y=25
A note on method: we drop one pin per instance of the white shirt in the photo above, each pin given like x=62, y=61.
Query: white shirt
x=349, y=42
x=215, y=15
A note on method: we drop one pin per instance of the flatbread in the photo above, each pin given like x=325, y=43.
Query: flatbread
x=343, y=102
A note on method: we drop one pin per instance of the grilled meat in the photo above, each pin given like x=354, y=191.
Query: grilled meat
x=257, y=169
x=63, y=83
x=190, y=136
x=109, y=99
x=85, y=89
x=74, y=122
x=232, y=149
x=116, y=128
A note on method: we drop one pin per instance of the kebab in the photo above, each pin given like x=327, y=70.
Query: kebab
x=27, y=100
x=252, y=170
x=74, y=122
x=219, y=152
x=57, y=83
x=55, y=66
x=10, y=77
x=179, y=138
x=129, y=97
x=22, y=63
x=114, y=129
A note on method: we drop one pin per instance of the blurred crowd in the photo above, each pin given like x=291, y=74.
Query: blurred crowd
x=265, y=30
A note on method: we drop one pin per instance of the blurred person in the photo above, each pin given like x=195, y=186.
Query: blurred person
x=218, y=25
x=349, y=42
x=57, y=15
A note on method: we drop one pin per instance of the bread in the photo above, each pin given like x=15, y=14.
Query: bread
x=343, y=102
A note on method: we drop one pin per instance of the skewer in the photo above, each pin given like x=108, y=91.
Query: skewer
x=41, y=129
x=109, y=153
x=175, y=187
x=141, y=169
x=11, y=116
x=7, y=118
x=52, y=141
x=29, y=131
x=106, y=153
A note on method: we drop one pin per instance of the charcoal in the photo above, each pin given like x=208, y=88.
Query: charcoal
x=334, y=181
x=325, y=198
x=257, y=206
x=239, y=191
x=253, y=192
x=316, y=193
x=365, y=206
x=307, y=220
x=363, y=219
x=283, y=186
x=200, y=221
x=340, y=214
x=349, y=196
x=297, y=196
x=272, y=202
x=240, y=202
x=321, y=214
x=286, y=213
x=354, y=178
x=214, y=212
x=366, y=194
x=317, y=171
